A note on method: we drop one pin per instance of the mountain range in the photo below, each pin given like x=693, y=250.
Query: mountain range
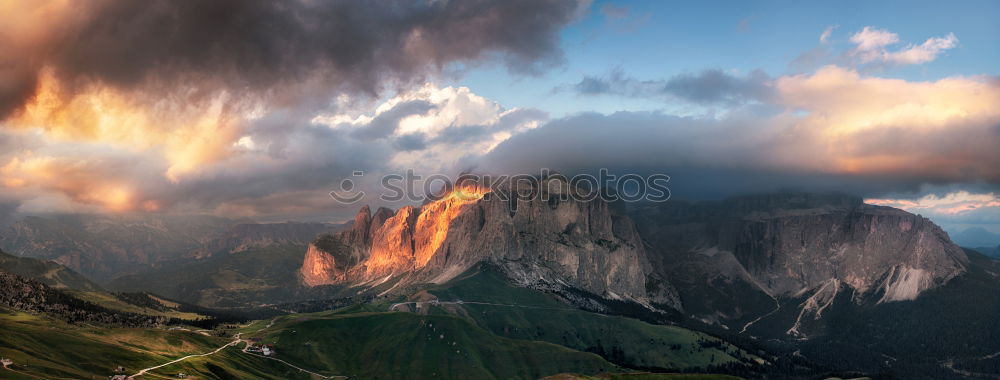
x=771, y=268
x=976, y=237
x=789, y=285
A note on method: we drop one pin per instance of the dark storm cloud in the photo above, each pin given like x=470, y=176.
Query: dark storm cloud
x=218, y=96
x=17, y=83
x=742, y=153
x=266, y=46
x=711, y=86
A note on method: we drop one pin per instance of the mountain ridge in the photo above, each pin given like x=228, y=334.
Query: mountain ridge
x=552, y=240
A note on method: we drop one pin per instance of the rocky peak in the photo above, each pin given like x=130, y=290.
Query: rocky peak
x=359, y=232
x=793, y=244
x=547, y=239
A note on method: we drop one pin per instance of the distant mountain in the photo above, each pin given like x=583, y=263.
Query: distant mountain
x=249, y=264
x=107, y=247
x=245, y=236
x=103, y=247
x=976, y=237
x=257, y=276
x=993, y=252
x=46, y=272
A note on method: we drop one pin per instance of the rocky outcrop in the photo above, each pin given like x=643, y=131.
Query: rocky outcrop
x=319, y=267
x=548, y=240
x=731, y=260
x=800, y=245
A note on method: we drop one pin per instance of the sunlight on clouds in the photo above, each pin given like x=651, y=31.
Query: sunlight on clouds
x=868, y=124
x=71, y=179
x=849, y=103
x=951, y=204
x=187, y=135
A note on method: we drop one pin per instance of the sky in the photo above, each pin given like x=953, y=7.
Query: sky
x=259, y=109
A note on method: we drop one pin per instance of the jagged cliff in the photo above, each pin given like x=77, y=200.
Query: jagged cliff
x=795, y=245
x=548, y=240
x=718, y=261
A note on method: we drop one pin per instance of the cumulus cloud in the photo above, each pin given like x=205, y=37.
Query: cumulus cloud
x=252, y=108
x=925, y=52
x=872, y=45
x=187, y=78
x=838, y=129
x=162, y=103
x=386, y=123
x=283, y=164
x=452, y=123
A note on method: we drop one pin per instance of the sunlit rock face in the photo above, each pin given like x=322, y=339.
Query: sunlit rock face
x=547, y=240
x=797, y=245
x=320, y=267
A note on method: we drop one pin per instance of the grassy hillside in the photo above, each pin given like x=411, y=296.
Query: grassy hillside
x=365, y=341
x=51, y=349
x=168, y=309
x=229, y=364
x=406, y=345
x=256, y=276
x=46, y=272
x=522, y=313
x=642, y=376
x=76, y=285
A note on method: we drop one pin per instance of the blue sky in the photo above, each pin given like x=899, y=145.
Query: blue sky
x=658, y=39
